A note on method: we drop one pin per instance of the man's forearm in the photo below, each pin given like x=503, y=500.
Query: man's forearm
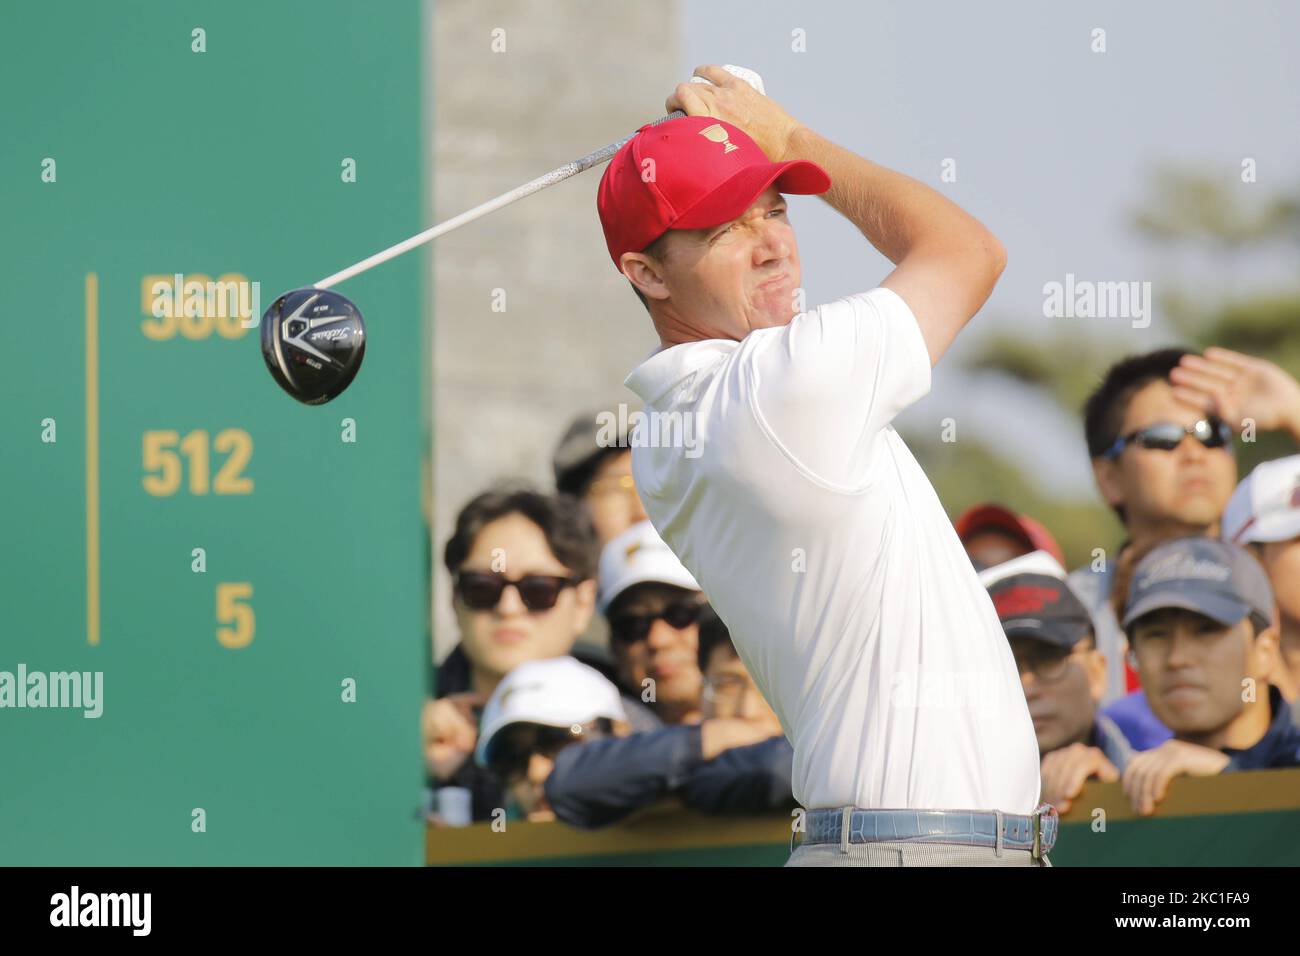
x=946, y=262
x=896, y=213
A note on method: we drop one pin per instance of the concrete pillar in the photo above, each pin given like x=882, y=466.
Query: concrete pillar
x=574, y=75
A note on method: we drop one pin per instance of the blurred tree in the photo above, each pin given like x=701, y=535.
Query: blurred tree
x=1192, y=206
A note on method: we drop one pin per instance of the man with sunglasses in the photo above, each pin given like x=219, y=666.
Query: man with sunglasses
x=1063, y=674
x=804, y=516
x=653, y=606
x=1159, y=431
x=1199, y=618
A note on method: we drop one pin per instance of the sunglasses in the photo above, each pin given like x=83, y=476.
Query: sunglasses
x=482, y=590
x=1211, y=432
x=630, y=628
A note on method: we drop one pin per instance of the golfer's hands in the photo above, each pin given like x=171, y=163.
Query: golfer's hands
x=732, y=99
x=1066, y=770
x=450, y=732
x=1236, y=387
x=1148, y=774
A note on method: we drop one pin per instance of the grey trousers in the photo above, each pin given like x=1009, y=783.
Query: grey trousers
x=909, y=854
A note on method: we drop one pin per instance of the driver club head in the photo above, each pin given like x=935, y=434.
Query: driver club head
x=313, y=341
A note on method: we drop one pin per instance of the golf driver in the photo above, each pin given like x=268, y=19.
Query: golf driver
x=313, y=339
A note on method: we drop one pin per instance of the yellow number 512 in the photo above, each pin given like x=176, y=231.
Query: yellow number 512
x=162, y=462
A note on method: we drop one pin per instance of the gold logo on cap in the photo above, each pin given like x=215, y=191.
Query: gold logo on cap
x=511, y=691
x=631, y=549
x=718, y=134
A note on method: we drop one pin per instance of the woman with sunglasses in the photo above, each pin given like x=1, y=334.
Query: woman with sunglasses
x=523, y=570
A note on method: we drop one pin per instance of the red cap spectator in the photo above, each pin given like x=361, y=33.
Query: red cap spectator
x=1013, y=535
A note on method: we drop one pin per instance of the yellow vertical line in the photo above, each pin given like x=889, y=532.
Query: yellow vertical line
x=92, y=458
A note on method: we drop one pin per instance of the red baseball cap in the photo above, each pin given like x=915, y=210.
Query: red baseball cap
x=689, y=173
x=992, y=516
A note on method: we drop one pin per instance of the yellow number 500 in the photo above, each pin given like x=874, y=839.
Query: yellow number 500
x=162, y=464
x=239, y=616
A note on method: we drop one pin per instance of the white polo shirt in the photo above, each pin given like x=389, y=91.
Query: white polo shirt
x=822, y=544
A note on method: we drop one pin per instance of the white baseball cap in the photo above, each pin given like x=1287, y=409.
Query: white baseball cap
x=1035, y=562
x=638, y=556
x=556, y=692
x=1266, y=504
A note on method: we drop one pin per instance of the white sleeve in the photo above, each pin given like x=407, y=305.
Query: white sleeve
x=825, y=385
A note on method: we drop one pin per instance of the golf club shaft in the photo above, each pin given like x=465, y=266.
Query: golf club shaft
x=492, y=205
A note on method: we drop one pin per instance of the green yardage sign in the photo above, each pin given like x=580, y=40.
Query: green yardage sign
x=235, y=579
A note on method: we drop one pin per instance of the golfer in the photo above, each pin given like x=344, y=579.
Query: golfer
x=801, y=512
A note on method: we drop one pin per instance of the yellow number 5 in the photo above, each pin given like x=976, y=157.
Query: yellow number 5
x=230, y=611
x=158, y=458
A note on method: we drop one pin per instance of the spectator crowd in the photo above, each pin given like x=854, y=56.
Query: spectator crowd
x=592, y=678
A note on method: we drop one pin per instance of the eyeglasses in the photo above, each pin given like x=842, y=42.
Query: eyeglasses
x=726, y=689
x=482, y=590
x=1048, y=668
x=1211, y=432
x=611, y=484
x=515, y=746
x=630, y=628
